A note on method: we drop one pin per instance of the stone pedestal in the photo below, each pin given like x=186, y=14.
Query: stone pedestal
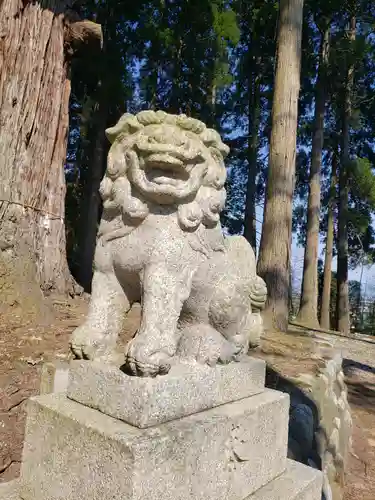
x=143, y=402
x=175, y=448
x=54, y=377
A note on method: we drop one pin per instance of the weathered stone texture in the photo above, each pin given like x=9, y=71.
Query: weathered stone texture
x=185, y=390
x=182, y=414
x=54, y=377
x=329, y=392
x=297, y=483
x=227, y=453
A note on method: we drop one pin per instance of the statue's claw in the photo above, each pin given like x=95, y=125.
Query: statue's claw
x=88, y=343
x=141, y=362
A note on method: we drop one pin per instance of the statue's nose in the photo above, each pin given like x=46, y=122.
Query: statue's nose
x=163, y=137
x=159, y=136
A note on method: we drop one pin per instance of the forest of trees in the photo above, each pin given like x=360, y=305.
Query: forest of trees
x=288, y=83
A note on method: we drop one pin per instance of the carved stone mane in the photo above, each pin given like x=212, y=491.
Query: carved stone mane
x=193, y=159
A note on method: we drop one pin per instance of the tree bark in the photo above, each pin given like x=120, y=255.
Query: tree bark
x=325, y=314
x=91, y=206
x=342, y=313
x=254, y=121
x=210, y=114
x=34, y=103
x=106, y=100
x=308, y=312
x=34, y=97
x=275, y=246
x=175, y=100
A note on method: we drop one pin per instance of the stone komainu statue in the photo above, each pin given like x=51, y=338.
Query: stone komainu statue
x=160, y=243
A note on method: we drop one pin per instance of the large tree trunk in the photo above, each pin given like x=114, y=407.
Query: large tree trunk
x=34, y=103
x=108, y=107
x=275, y=245
x=34, y=97
x=254, y=121
x=343, y=319
x=91, y=206
x=325, y=311
x=308, y=312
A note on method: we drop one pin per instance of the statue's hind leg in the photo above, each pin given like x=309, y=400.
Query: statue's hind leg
x=228, y=313
x=235, y=311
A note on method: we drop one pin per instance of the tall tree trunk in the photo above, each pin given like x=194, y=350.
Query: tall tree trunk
x=210, y=105
x=290, y=292
x=91, y=206
x=98, y=145
x=34, y=103
x=34, y=97
x=342, y=313
x=254, y=121
x=308, y=312
x=325, y=314
x=175, y=103
x=275, y=245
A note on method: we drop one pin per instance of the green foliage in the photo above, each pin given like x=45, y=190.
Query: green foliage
x=253, y=72
x=215, y=59
x=360, y=171
x=225, y=29
x=362, y=180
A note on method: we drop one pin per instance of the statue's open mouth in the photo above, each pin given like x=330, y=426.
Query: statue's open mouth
x=168, y=156
x=162, y=168
x=167, y=172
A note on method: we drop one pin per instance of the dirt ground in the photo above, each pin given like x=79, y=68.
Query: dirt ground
x=26, y=344
x=295, y=353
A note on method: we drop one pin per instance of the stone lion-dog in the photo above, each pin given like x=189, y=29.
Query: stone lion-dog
x=160, y=243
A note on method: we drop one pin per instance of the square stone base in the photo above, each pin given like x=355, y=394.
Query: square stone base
x=73, y=452
x=298, y=482
x=185, y=390
x=54, y=377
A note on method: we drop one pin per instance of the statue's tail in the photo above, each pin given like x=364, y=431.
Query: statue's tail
x=242, y=255
x=258, y=293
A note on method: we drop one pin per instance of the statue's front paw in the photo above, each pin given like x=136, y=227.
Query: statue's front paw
x=141, y=360
x=88, y=343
